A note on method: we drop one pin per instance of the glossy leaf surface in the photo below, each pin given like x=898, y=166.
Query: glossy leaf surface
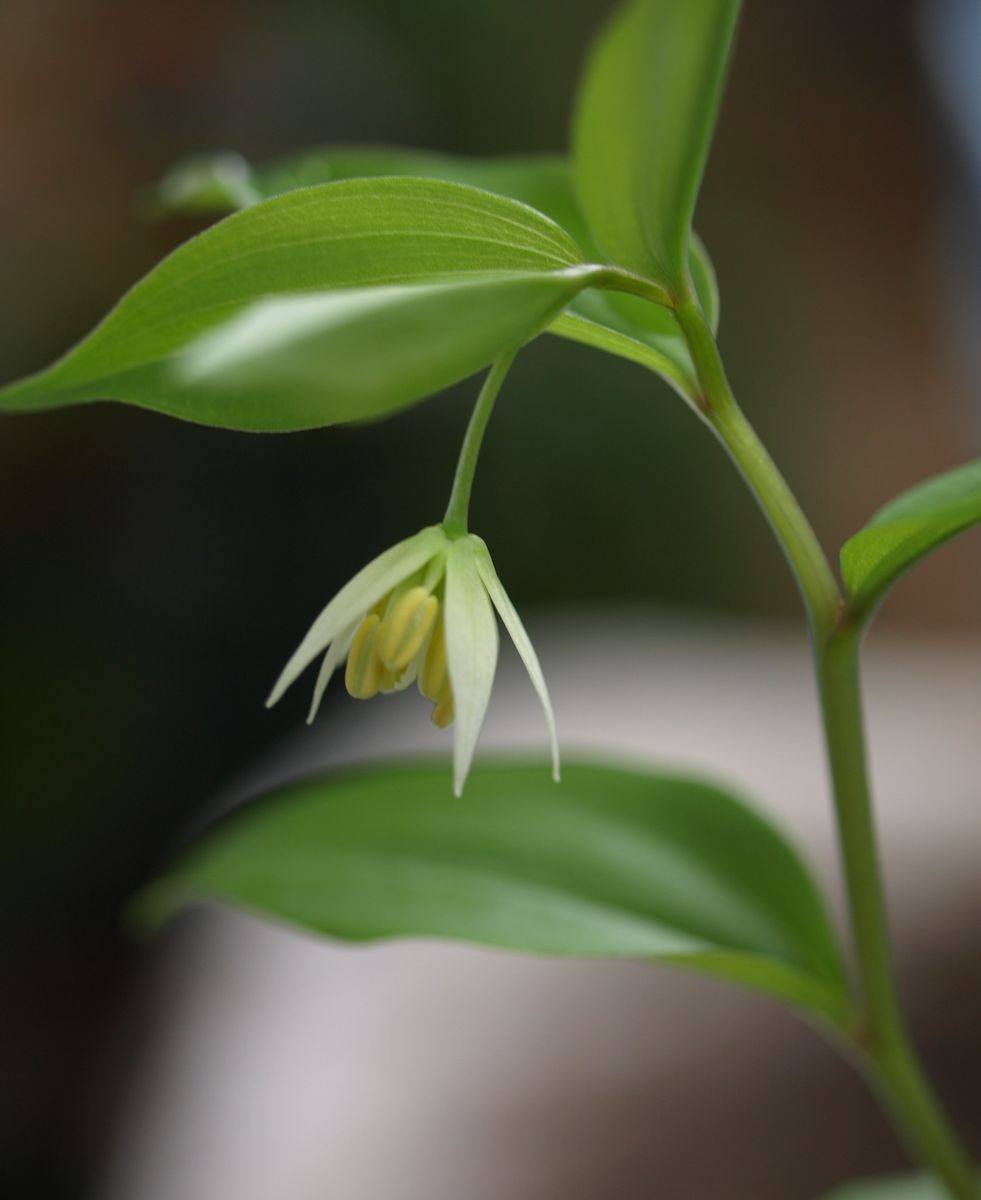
x=623, y=325
x=223, y=183
x=356, y=234
x=644, y=119
x=610, y=863
x=313, y=359
x=907, y=529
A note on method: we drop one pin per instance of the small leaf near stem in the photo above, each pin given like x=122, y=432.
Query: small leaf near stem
x=907, y=529
x=457, y=511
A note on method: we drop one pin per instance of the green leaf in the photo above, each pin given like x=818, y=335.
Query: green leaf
x=508, y=264
x=225, y=182
x=295, y=362
x=900, y=1187
x=623, y=325
x=610, y=863
x=644, y=119
x=906, y=530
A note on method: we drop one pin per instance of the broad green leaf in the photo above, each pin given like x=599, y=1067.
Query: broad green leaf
x=644, y=119
x=351, y=234
x=610, y=863
x=622, y=325
x=509, y=262
x=906, y=530
x=313, y=359
x=224, y=182
x=900, y=1187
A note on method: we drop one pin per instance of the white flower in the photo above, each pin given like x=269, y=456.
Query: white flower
x=422, y=612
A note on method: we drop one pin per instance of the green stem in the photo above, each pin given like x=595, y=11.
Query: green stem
x=904, y=1091
x=879, y=1037
x=719, y=409
x=841, y=706
x=455, y=521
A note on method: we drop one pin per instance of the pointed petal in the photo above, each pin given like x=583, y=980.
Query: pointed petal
x=357, y=596
x=336, y=653
x=471, y=651
x=522, y=643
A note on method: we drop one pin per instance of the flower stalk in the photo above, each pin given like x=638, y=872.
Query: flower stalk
x=458, y=508
x=424, y=612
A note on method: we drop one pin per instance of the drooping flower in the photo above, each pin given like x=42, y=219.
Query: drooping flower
x=422, y=612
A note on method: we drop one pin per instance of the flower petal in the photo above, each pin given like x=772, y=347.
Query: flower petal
x=471, y=651
x=522, y=643
x=357, y=596
x=336, y=653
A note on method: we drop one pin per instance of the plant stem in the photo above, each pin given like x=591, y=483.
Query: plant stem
x=719, y=409
x=457, y=511
x=841, y=706
x=879, y=1036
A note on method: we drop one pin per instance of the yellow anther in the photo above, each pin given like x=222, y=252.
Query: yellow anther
x=363, y=675
x=433, y=680
x=442, y=714
x=396, y=681
x=381, y=605
x=406, y=628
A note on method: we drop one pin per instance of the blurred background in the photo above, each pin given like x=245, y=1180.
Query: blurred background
x=154, y=575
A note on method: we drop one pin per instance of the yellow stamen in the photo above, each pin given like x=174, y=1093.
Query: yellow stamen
x=381, y=605
x=433, y=678
x=395, y=681
x=406, y=628
x=363, y=675
x=442, y=714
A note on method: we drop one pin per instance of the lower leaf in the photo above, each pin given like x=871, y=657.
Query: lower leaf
x=611, y=863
